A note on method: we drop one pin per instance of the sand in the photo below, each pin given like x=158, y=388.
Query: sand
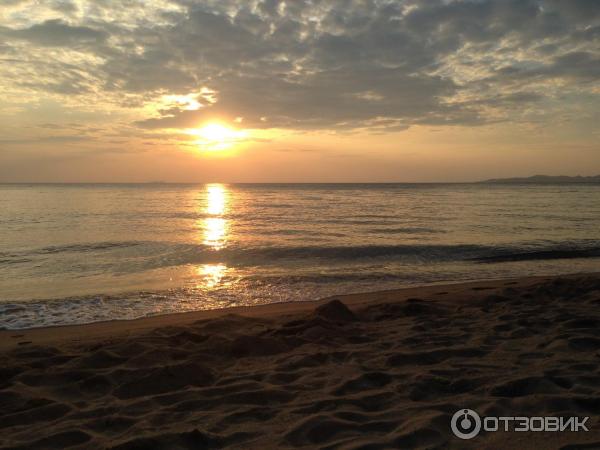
x=370, y=371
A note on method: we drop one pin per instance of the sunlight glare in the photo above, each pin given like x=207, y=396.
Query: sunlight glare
x=214, y=232
x=212, y=274
x=215, y=199
x=215, y=136
x=215, y=227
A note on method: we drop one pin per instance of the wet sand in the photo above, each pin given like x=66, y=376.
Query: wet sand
x=379, y=370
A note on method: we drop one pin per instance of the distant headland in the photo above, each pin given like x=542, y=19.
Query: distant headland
x=545, y=179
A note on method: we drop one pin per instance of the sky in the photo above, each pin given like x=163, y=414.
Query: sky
x=298, y=91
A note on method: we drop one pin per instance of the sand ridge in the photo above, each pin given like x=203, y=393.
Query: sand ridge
x=386, y=370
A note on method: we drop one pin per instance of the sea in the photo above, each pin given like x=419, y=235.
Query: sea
x=80, y=253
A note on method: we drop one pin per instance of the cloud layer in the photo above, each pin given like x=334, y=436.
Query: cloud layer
x=335, y=65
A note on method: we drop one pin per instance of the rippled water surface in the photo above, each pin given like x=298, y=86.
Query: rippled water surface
x=81, y=253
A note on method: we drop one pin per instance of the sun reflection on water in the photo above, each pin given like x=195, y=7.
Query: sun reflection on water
x=216, y=199
x=215, y=232
x=211, y=274
x=214, y=229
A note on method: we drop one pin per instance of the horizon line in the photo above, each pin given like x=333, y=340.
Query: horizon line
x=495, y=180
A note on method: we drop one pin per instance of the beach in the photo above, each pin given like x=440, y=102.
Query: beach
x=379, y=370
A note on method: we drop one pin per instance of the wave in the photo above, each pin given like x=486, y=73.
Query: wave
x=359, y=251
x=409, y=252
x=81, y=248
x=406, y=230
x=546, y=254
x=7, y=261
x=68, y=248
x=334, y=278
x=156, y=254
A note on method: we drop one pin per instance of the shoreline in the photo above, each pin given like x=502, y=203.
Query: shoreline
x=386, y=369
x=95, y=330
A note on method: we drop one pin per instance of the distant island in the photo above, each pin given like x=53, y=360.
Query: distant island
x=544, y=179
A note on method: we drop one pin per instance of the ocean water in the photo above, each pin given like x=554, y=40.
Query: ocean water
x=85, y=253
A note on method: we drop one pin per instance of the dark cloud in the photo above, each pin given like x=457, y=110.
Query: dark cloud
x=336, y=97
x=56, y=33
x=580, y=66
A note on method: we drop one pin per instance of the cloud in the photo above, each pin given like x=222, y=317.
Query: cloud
x=56, y=33
x=330, y=97
x=46, y=139
x=340, y=64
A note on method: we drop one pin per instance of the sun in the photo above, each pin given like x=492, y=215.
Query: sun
x=216, y=132
x=215, y=136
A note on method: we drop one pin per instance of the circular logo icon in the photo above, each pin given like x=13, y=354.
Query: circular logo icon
x=465, y=424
